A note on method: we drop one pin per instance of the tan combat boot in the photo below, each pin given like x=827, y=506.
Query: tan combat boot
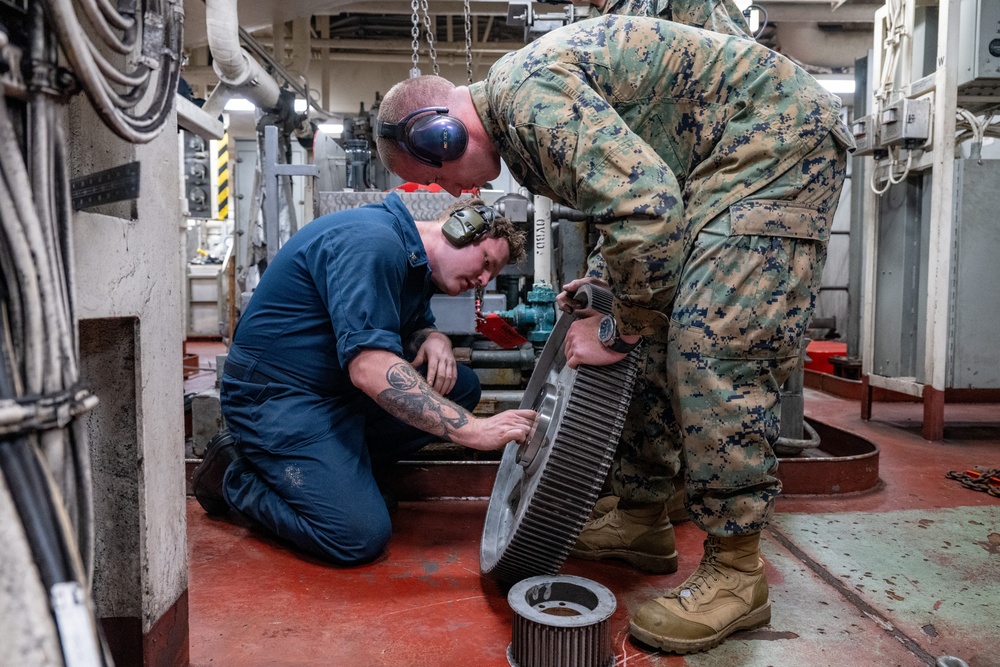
x=676, y=511
x=641, y=536
x=728, y=592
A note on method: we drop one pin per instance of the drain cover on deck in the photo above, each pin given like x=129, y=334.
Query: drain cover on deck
x=546, y=488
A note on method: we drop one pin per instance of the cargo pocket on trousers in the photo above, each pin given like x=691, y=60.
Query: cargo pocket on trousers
x=843, y=136
x=754, y=290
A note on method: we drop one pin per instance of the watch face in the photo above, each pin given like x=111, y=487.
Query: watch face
x=606, y=331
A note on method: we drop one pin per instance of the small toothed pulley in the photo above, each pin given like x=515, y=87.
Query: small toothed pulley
x=561, y=621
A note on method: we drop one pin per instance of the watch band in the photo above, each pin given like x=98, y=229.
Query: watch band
x=608, y=335
x=620, y=346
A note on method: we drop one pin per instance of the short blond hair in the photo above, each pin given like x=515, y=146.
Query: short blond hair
x=403, y=99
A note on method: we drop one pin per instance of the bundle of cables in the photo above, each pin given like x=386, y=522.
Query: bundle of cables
x=44, y=455
x=45, y=486
x=977, y=127
x=135, y=99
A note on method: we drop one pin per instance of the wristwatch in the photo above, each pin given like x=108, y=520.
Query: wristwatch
x=607, y=333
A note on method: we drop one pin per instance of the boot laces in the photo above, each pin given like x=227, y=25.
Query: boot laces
x=603, y=520
x=702, y=579
x=615, y=515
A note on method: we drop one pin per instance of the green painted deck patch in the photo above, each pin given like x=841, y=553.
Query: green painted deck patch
x=934, y=574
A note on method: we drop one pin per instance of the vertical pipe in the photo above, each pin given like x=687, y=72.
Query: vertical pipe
x=864, y=78
x=792, y=404
x=543, y=240
x=301, y=48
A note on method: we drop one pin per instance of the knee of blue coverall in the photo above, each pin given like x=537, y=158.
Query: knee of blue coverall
x=355, y=533
x=467, y=390
x=359, y=540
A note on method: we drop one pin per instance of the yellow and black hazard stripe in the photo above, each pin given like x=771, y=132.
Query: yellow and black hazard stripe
x=222, y=170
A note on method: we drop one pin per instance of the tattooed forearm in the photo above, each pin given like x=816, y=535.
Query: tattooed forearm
x=410, y=399
x=428, y=413
x=402, y=376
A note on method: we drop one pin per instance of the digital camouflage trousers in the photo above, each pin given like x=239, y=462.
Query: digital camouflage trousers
x=707, y=406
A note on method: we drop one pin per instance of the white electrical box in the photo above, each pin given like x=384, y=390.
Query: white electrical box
x=905, y=123
x=865, y=131
x=979, y=52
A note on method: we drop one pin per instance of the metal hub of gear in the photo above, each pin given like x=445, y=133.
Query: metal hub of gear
x=546, y=488
x=561, y=621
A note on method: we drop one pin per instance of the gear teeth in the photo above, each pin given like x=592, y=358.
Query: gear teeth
x=561, y=492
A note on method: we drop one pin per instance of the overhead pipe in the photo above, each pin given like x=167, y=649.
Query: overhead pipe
x=238, y=72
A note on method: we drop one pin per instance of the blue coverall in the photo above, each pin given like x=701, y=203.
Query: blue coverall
x=308, y=438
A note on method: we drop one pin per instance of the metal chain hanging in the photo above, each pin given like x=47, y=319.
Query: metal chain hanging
x=415, y=33
x=430, y=38
x=468, y=39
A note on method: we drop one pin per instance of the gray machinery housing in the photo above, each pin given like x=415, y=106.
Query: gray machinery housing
x=900, y=307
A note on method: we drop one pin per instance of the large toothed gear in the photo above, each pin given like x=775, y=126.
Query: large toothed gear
x=546, y=488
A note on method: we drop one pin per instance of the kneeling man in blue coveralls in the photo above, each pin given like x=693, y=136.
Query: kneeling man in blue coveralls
x=336, y=372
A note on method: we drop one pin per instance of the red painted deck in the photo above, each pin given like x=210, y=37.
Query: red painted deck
x=898, y=575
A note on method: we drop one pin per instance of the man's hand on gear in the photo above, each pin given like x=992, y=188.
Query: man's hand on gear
x=582, y=346
x=436, y=352
x=568, y=304
x=496, y=431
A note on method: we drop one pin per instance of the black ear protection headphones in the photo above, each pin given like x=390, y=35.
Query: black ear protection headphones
x=468, y=225
x=432, y=139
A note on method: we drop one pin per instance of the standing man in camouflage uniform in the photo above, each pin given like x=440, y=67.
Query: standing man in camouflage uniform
x=713, y=167
x=643, y=468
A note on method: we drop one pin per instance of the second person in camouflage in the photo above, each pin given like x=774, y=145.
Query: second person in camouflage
x=713, y=168
x=643, y=469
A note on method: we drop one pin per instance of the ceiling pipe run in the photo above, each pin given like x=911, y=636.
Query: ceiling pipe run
x=238, y=72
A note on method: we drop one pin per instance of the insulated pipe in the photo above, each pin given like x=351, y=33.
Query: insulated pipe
x=543, y=240
x=217, y=99
x=233, y=65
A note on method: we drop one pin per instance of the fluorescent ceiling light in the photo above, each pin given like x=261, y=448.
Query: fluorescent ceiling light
x=331, y=128
x=239, y=104
x=838, y=86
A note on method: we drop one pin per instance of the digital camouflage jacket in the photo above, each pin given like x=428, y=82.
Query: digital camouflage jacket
x=654, y=129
